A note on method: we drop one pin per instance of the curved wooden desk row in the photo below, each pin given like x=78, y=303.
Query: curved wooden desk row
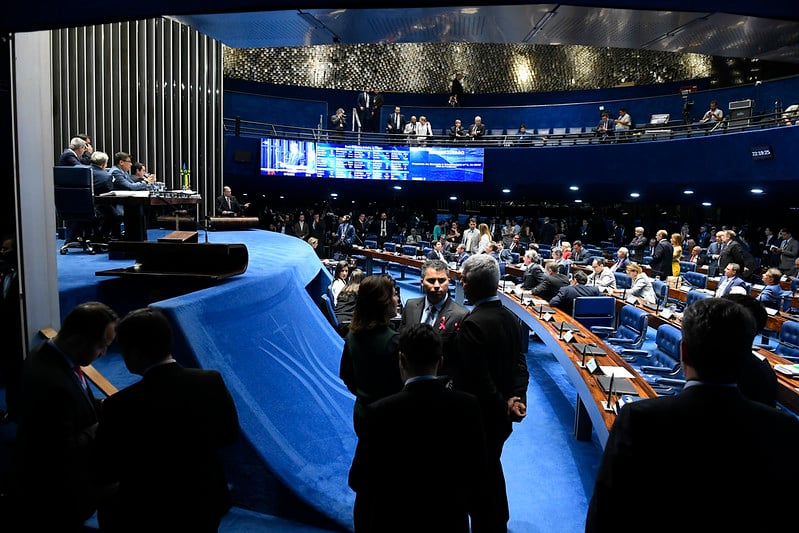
x=788, y=388
x=590, y=412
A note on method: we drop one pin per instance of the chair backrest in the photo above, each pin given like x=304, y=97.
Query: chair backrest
x=329, y=311
x=661, y=289
x=693, y=296
x=595, y=310
x=785, y=300
x=424, y=244
x=409, y=249
x=633, y=322
x=390, y=246
x=74, y=193
x=687, y=266
x=558, y=131
x=696, y=279
x=789, y=340
x=501, y=269
x=795, y=284
x=647, y=260
x=623, y=281
x=370, y=244
x=667, y=353
x=515, y=256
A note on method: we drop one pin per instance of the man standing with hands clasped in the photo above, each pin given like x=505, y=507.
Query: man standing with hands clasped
x=491, y=364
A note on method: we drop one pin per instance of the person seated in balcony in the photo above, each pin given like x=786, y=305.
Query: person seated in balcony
x=478, y=129
x=457, y=131
x=424, y=130
x=714, y=115
x=604, y=130
x=524, y=136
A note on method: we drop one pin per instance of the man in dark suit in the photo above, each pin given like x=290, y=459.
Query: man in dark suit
x=228, y=205
x=436, y=307
x=457, y=88
x=565, y=297
x=345, y=235
x=364, y=102
x=534, y=273
x=103, y=183
x=478, y=129
x=401, y=440
x=301, y=227
x=438, y=252
x=58, y=423
x=661, y=257
x=318, y=229
x=491, y=365
x=159, y=438
x=788, y=250
x=71, y=156
x=395, y=125
x=690, y=429
x=554, y=281
x=383, y=228
x=361, y=227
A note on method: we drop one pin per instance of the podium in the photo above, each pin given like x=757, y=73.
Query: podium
x=183, y=260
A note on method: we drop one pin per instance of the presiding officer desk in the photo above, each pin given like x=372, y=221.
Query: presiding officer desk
x=590, y=413
x=136, y=204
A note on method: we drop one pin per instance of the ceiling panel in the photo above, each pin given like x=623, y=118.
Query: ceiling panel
x=717, y=34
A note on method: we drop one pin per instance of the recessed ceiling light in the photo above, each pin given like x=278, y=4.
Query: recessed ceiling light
x=688, y=191
x=397, y=187
x=453, y=198
x=506, y=191
x=756, y=190
x=634, y=195
x=574, y=188
x=333, y=194
x=706, y=204
x=578, y=201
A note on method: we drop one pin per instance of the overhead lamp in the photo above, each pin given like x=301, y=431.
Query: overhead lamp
x=453, y=198
x=756, y=190
x=574, y=188
x=635, y=195
x=332, y=194
x=578, y=201
x=706, y=204
x=397, y=187
x=688, y=191
x=506, y=191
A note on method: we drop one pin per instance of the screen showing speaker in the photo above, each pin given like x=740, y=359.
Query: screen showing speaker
x=285, y=157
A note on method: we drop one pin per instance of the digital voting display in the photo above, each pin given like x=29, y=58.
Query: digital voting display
x=286, y=157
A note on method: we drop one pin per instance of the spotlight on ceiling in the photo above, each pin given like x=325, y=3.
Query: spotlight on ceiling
x=506, y=191
x=578, y=201
x=756, y=190
x=453, y=198
x=635, y=195
x=334, y=194
x=706, y=204
x=397, y=187
x=688, y=191
x=574, y=188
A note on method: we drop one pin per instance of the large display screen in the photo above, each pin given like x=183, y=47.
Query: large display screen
x=283, y=157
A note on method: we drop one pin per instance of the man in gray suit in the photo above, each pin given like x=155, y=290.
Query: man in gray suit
x=436, y=307
x=788, y=250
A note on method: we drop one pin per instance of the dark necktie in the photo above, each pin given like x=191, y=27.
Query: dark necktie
x=228, y=202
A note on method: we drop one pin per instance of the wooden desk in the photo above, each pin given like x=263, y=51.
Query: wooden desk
x=135, y=217
x=589, y=413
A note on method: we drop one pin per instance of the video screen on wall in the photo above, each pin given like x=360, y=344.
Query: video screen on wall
x=283, y=157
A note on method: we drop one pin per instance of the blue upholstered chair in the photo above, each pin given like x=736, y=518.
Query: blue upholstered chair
x=623, y=281
x=788, y=346
x=661, y=289
x=664, y=370
x=631, y=329
x=695, y=279
x=687, y=266
x=595, y=310
x=329, y=311
x=693, y=296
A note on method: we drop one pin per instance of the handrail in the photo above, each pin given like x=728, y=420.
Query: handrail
x=641, y=133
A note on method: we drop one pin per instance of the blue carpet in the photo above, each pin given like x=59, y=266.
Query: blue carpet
x=280, y=357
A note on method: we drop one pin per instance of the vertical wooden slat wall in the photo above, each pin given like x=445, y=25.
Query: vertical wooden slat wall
x=152, y=88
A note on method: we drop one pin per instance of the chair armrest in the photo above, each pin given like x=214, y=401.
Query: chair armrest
x=672, y=381
x=630, y=351
x=602, y=330
x=620, y=340
x=655, y=369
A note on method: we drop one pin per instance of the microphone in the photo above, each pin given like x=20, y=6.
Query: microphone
x=560, y=335
x=606, y=404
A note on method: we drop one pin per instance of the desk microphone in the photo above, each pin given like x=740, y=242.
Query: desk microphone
x=607, y=404
x=560, y=335
x=582, y=363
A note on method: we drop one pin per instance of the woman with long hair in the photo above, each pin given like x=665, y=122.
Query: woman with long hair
x=339, y=279
x=345, y=306
x=676, y=244
x=485, y=237
x=369, y=363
